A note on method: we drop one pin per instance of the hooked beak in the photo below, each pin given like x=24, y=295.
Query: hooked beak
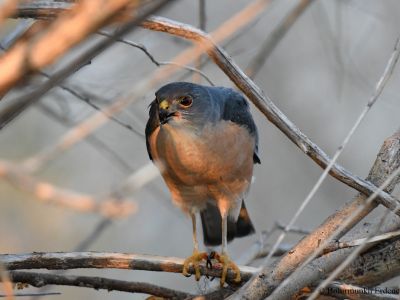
x=165, y=112
x=165, y=115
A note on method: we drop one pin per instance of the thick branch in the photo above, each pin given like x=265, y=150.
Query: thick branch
x=387, y=161
x=78, y=260
x=43, y=279
x=375, y=266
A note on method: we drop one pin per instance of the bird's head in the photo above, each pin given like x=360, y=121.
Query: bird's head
x=184, y=103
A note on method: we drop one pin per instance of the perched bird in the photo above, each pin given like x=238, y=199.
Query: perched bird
x=205, y=143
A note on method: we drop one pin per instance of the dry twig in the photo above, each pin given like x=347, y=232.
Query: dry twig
x=275, y=37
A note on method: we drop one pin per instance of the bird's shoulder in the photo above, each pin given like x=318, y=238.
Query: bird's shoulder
x=235, y=108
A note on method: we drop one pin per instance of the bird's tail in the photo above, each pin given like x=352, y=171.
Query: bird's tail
x=212, y=223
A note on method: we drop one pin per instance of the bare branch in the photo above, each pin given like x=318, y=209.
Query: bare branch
x=371, y=268
x=378, y=238
x=97, y=283
x=49, y=193
x=34, y=294
x=78, y=260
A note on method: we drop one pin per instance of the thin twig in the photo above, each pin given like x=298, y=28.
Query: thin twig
x=83, y=96
x=202, y=26
x=348, y=244
x=96, y=143
x=97, y=283
x=275, y=37
x=34, y=294
x=154, y=60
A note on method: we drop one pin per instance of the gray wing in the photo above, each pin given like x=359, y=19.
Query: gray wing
x=237, y=110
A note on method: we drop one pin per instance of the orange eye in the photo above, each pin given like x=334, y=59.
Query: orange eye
x=186, y=101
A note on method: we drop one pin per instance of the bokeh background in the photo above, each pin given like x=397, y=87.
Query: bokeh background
x=321, y=75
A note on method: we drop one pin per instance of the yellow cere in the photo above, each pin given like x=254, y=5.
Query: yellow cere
x=164, y=104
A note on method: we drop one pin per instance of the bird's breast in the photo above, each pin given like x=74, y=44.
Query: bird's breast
x=220, y=152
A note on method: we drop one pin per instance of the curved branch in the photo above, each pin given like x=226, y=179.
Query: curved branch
x=152, y=58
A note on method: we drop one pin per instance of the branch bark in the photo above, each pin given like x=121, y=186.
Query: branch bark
x=374, y=267
x=78, y=260
x=44, y=279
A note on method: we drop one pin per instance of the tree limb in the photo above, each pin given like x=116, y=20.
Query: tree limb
x=98, y=260
x=97, y=283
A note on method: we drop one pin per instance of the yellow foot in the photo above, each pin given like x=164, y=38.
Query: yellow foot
x=195, y=259
x=227, y=263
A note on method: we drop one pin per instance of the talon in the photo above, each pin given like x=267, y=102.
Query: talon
x=227, y=263
x=209, y=263
x=194, y=260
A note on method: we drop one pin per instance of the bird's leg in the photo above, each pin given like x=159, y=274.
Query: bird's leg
x=197, y=256
x=224, y=258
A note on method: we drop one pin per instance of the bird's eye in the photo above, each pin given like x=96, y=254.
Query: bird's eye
x=186, y=101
